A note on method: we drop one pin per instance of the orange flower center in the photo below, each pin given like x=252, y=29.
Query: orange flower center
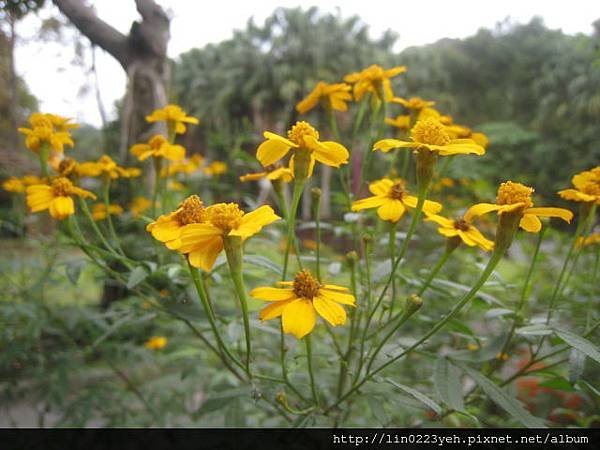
x=306, y=285
x=592, y=187
x=461, y=224
x=67, y=166
x=191, y=211
x=299, y=131
x=226, y=216
x=398, y=190
x=430, y=131
x=106, y=163
x=157, y=141
x=510, y=193
x=62, y=187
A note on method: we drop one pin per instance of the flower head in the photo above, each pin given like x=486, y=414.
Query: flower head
x=175, y=117
x=515, y=198
x=271, y=173
x=332, y=96
x=298, y=302
x=139, y=205
x=431, y=134
x=14, y=184
x=401, y=122
x=461, y=228
x=99, y=210
x=374, y=79
x=215, y=168
x=106, y=166
x=167, y=228
x=55, y=197
x=587, y=187
x=203, y=242
x=414, y=103
x=392, y=200
x=592, y=239
x=156, y=343
x=158, y=147
x=304, y=140
x=47, y=130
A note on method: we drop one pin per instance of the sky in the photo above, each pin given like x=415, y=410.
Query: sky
x=51, y=76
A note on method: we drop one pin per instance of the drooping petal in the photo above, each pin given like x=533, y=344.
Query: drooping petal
x=197, y=235
x=561, y=213
x=164, y=229
x=466, y=238
x=330, y=311
x=205, y=256
x=272, y=150
x=391, y=210
x=274, y=310
x=334, y=287
x=479, y=210
x=480, y=239
x=369, y=202
x=271, y=294
x=459, y=146
x=448, y=232
x=429, y=207
x=530, y=223
x=337, y=296
x=576, y=196
x=381, y=187
x=299, y=317
x=62, y=207
x=443, y=221
x=330, y=153
x=254, y=221
x=385, y=145
x=39, y=197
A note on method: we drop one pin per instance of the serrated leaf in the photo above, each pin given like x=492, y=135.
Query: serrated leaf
x=447, y=384
x=576, y=365
x=136, y=276
x=510, y=404
x=416, y=394
x=580, y=343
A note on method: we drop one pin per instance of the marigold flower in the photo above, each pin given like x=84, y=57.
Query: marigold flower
x=203, y=242
x=332, y=96
x=55, y=197
x=215, y=168
x=187, y=166
x=38, y=136
x=392, y=200
x=415, y=103
x=455, y=131
x=99, y=210
x=515, y=198
x=299, y=302
x=61, y=123
x=106, y=166
x=156, y=343
x=401, y=122
x=587, y=187
x=431, y=134
x=158, y=147
x=302, y=137
x=374, y=79
x=175, y=117
x=138, y=205
x=175, y=185
x=463, y=229
x=592, y=239
x=271, y=173
x=14, y=184
x=167, y=228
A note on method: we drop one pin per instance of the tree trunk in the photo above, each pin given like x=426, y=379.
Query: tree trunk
x=13, y=87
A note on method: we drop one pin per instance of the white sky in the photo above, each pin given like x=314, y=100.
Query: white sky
x=52, y=78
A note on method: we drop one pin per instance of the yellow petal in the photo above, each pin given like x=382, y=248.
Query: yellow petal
x=576, y=196
x=385, y=145
x=204, y=257
x=330, y=153
x=392, y=210
x=459, y=146
x=198, y=235
x=62, y=207
x=330, y=311
x=448, y=232
x=271, y=150
x=479, y=210
x=254, y=221
x=447, y=223
x=273, y=310
x=561, y=213
x=476, y=236
x=337, y=296
x=311, y=165
x=369, y=202
x=334, y=287
x=271, y=294
x=165, y=229
x=381, y=187
x=530, y=223
x=299, y=317
x=276, y=137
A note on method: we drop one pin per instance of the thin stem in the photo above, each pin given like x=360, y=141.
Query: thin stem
x=317, y=214
x=369, y=311
x=403, y=318
x=291, y=235
x=99, y=235
x=354, y=318
x=111, y=227
x=438, y=266
x=284, y=372
x=43, y=155
x=156, y=188
x=392, y=244
x=311, y=375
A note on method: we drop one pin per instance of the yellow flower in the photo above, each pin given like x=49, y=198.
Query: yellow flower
x=392, y=200
x=516, y=198
x=203, y=242
x=415, y=103
x=301, y=137
x=590, y=240
x=139, y=205
x=432, y=135
x=299, y=302
x=374, y=79
x=175, y=186
x=271, y=173
x=175, y=117
x=61, y=123
x=158, y=147
x=401, y=122
x=106, y=166
x=45, y=135
x=215, y=168
x=167, y=228
x=156, y=343
x=187, y=166
x=55, y=197
x=454, y=131
x=13, y=184
x=333, y=96
x=99, y=210
x=463, y=229
x=587, y=187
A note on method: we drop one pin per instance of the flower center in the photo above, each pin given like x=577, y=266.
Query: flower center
x=306, y=285
x=461, y=224
x=430, y=131
x=225, y=216
x=191, y=211
x=398, y=190
x=156, y=141
x=510, y=193
x=297, y=133
x=107, y=163
x=61, y=187
x=67, y=166
x=592, y=188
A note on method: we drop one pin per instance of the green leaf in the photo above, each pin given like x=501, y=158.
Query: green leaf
x=235, y=416
x=580, y=343
x=73, y=271
x=416, y=394
x=221, y=399
x=510, y=404
x=534, y=330
x=559, y=384
x=446, y=379
x=576, y=365
x=376, y=405
x=136, y=276
x=263, y=262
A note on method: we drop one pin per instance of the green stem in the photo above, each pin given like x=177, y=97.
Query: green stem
x=370, y=311
x=94, y=225
x=392, y=244
x=111, y=227
x=291, y=223
x=317, y=216
x=354, y=317
x=156, y=188
x=435, y=270
x=313, y=385
x=284, y=372
x=43, y=155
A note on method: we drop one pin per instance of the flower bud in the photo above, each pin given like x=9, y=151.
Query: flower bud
x=413, y=304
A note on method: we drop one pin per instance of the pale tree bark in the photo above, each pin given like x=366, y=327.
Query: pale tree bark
x=13, y=86
x=143, y=55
